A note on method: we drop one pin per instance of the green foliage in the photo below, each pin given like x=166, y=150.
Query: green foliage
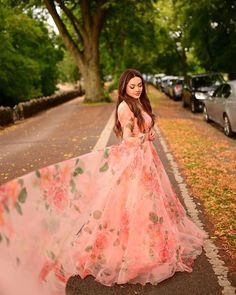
x=28, y=57
x=171, y=36
x=211, y=32
x=127, y=38
x=68, y=70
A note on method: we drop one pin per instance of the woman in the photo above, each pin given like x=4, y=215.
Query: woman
x=111, y=214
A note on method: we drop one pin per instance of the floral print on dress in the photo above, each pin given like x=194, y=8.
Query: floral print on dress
x=110, y=213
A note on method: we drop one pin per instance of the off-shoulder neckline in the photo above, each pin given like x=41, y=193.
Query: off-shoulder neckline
x=125, y=103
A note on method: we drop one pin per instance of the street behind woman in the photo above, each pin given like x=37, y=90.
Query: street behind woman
x=110, y=213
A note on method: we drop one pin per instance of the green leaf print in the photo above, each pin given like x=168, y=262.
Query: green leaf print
x=18, y=208
x=129, y=126
x=22, y=196
x=104, y=167
x=78, y=171
x=6, y=208
x=21, y=182
x=18, y=261
x=89, y=248
x=62, y=271
x=52, y=255
x=73, y=186
x=7, y=240
x=38, y=173
x=106, y=153
x=153, y=217
x=97, y=214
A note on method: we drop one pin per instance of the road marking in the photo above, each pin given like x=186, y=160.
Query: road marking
x=212, y=253
x=104, y=137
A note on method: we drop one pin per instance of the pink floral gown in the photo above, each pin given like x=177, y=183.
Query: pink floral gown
x=111, y=214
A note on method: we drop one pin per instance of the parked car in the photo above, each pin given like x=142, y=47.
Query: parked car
x=196, y=86
x=176, y=88
x=158, y=78
x=221, y=107
x=166, y=82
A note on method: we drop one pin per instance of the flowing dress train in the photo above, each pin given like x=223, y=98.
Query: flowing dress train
x=110, y=213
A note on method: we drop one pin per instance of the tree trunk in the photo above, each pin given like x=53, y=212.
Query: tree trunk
x=184, y=62
x=87, y=33
x=92, y=80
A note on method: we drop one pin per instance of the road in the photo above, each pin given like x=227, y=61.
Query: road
x=72, y=129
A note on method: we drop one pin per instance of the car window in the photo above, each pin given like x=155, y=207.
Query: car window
x=180, y=82
x=206, y=81
x=218, y=91
x=226, y=91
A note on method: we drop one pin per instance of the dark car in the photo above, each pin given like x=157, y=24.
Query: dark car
x=196, y=86
x=221, y=107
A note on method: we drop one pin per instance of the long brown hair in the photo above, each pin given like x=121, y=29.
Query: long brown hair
x=125, y=77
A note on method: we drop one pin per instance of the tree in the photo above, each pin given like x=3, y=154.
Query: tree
x=211, y=32
x=68, y=70
x=80, y=23
x=128, y=38
x=28, y=57
x=170, y=34
x=87, y=19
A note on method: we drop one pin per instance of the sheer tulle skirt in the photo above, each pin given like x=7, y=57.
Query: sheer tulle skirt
x=111, y=214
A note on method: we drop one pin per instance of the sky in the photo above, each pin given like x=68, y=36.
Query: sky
x=52, y=24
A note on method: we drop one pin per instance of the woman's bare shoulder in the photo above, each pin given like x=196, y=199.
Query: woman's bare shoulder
x=123, y=107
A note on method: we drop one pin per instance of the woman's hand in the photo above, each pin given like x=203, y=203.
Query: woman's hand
x=151, y=135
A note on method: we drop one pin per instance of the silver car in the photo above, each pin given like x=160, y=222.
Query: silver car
x=221, y=107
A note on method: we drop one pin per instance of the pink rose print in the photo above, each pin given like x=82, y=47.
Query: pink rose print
x=1, y=215
x=136, y=163
x=125, y=224
x=52, y=266
x=48, y=266
x=12, y=190
x=65, y=174
x=57, y=197
x=46, y=175
x=101, y=241
x=99, y=244
x=164, y=254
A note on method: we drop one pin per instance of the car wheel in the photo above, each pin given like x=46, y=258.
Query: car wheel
x=193, y=106
x=227, y=127
x=205, y=115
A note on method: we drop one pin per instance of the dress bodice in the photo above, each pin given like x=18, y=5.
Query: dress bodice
x=129, y=123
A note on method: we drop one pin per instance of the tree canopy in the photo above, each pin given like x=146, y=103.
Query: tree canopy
x=28, y=57
x=104, y=37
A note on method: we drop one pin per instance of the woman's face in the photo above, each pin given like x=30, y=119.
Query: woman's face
x=134, y=87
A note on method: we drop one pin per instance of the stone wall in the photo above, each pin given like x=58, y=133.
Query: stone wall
x=28, y=108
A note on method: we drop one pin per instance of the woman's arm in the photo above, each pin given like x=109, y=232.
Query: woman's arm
x=126, y=118
x=151, y=134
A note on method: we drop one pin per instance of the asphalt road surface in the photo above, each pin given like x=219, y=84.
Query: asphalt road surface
x=70, y=130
